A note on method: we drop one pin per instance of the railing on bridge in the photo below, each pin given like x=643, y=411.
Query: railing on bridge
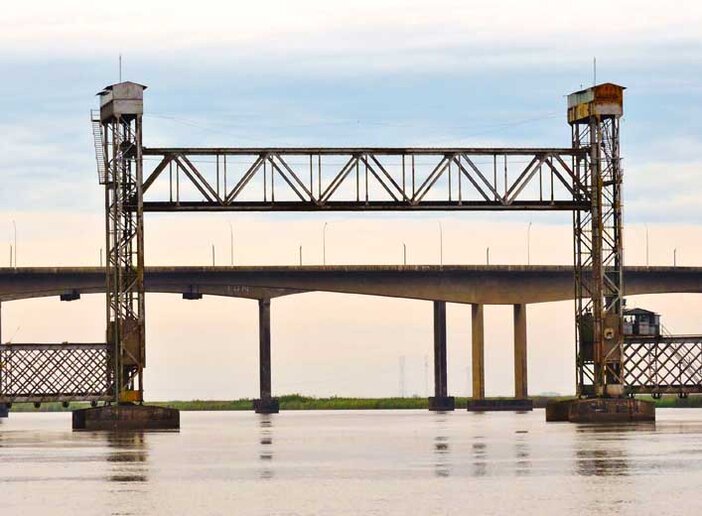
x=55, y=372
x=663, y=365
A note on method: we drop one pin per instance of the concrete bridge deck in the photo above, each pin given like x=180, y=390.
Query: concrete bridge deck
x=469, y=284
x=474, y=284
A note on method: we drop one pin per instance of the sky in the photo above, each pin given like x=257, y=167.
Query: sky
x=381, y=73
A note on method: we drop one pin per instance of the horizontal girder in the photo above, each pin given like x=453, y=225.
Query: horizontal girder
x=280, y=206
x=390, y=151
x=363, y=179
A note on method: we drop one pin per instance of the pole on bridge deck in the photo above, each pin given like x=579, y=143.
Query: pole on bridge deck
x=440, y=401
x=266, y=404
x=520, y=352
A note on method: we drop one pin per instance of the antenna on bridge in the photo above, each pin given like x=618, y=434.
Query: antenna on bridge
x=120, y=67
x=594, y=71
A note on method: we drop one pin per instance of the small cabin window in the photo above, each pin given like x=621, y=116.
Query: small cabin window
x=639, y=322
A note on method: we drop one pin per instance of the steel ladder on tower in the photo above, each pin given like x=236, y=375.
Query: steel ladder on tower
x=98, y=140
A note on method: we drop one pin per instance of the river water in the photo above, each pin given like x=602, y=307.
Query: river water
x=354, y=462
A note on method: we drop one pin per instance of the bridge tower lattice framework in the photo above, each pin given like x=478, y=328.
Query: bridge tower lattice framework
x=121, y=172
x=594, y=116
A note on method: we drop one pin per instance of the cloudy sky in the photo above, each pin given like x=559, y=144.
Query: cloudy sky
x=322, y=73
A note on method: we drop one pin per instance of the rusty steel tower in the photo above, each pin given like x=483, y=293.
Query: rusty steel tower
x=119, y=130
x=593, y=115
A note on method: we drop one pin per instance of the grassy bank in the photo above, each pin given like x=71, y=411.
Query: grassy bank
x=298, y=402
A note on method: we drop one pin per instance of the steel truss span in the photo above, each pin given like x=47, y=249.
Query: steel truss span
x=351, y=179
x=663, y=365
x=55, y=372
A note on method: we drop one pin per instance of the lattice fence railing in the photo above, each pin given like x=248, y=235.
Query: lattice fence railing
x=55, y=372
x=668, y=365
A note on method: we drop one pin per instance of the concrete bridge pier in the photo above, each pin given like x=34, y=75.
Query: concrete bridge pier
x=520, y=352
x=478, y=351
x=441, y=401
x=520, y=402
x=521, y=388
x=266, y=404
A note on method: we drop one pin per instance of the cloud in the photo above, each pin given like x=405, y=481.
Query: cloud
x=391, y=33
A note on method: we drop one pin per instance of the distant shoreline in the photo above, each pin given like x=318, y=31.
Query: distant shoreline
x=298, y=402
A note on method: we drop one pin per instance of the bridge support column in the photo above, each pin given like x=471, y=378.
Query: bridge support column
x=266, y=404
x=520, y=402
x=440, y=401
x=478, y=352
x=520, y=352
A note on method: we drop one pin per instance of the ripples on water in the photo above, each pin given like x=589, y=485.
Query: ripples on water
x=351, y=462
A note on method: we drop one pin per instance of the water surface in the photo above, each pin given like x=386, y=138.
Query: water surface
x=351, y=462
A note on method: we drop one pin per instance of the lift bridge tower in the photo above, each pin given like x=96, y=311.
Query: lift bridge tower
x=120, y=170
x=594, y=115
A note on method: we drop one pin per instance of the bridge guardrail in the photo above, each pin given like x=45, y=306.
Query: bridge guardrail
x=55, y=372
x=663, y=365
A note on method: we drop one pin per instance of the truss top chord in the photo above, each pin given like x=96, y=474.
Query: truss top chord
x=396, y=151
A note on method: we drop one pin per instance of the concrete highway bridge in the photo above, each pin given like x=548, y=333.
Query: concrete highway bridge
x=468, y=284
x=471, y=284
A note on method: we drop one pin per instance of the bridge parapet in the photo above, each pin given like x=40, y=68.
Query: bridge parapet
x=38, y=373
x=663, y=365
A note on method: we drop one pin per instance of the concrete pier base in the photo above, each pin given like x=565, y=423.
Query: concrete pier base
x=506, y=405
x=266, y=406
x=601, y=410
x=4, y=410
x=442, y=403
x=126, y=417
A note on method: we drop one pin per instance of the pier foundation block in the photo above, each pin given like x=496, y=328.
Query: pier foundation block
x=126, y=417
x=4, y=410
x=266, y=406
x=601, y=410
x=506, y=405
x=442, y=403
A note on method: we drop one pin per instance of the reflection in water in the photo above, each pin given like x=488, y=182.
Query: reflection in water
x=441, y=448
x=521, y=452
x=127, y=456
x=441, y=453
x=479, y=449
x=379, y=462
x=601, y=450
x=265, y=454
